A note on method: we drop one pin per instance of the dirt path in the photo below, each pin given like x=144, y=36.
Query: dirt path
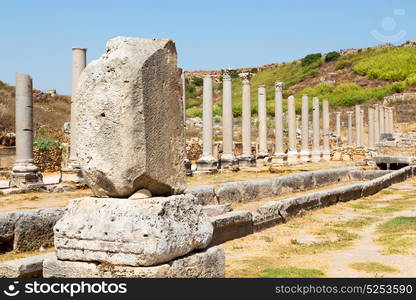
x=327, y=242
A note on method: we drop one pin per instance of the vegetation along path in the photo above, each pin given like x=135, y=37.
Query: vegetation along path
x=370, y=237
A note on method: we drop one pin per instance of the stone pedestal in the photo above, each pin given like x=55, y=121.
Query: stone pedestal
x=227, y=159
x=305, y=155
x=247, y=159
x=25, y=172
x=316, y=150
x=262, y=115
x=207, y=163
x=326, y=152
x=292, y=154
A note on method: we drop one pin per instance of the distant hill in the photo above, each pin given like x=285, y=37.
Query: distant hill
x=50, y=112
x=344, y=77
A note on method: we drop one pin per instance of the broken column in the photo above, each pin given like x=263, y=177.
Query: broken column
x=305, y=155
x=72, y=172
x=247, y=159
x=227, y=159
x=371, y=133
x=362, y=127
x=376, y=124
x=350, y=128
x=358, y=126
x=338, y=124
x=316, y=150
x=25, y=172
x=326, y=152
x=386, y=120
x=129, y=113
x=292, y=153
x=279, y=157
x=207, y=162
x=262, y=115
x=391, y=122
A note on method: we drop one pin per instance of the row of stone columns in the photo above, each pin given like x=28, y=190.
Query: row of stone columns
x=228, y=159
x=25, y=172
x=380, y=121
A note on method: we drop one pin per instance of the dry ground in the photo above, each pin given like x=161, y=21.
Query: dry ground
x=369, y=237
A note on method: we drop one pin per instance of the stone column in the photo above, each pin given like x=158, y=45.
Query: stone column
x=316, y=150
x=187, y=163
x=349, y=128
x=25, y=172
x=279, y=157
x=381, y=119
x=305, y=154
x=262, y=115
x=227, y=157
x=207, y=163
x=391, y=123
x=376, y=124
x=326, y=152
x=358, y=129
x=371, y=133
x=386, y=120
x=72, y=173
x=362, y=127
x=247, y=159
x=338, y=124
x=292, y=154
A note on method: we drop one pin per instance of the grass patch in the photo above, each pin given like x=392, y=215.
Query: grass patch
x=398, y=235
x=373, y=267
x=356, y=223
x=291, y=272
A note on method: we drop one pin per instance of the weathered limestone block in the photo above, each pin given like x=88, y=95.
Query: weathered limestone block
x=132, y=232
x=230, y=192
x=216, y=210
x=130, y=117
x=27, y=267
x=209, y=263
x=204, y=194
x=232, y=225
x=34, y=229
x=267, y=216
x=27, y=230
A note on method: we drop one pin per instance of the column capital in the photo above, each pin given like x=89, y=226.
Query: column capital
x=208, y=76
x=79, y=48
x=278, y=85
x=338, y=113
x=350, y=113
x=245, y=77
x=226, y=74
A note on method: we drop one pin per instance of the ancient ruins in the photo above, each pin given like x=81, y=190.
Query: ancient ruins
x=127, y=146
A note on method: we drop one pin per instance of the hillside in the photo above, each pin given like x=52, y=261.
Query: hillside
x=50, y=112
x=345, y=78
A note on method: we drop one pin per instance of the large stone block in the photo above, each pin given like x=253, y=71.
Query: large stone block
x=209, y=263
x=204, y=194
x=232, y=225
x=130, y=119
x=132, y=232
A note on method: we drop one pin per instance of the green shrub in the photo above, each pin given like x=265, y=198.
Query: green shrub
x=198, y=81
x=254, y=70
x=311, y=58
x=237, y=109
x=234, y=74
x=47, y=143
x=194, y=112
x=331, y=56
x=217, y=110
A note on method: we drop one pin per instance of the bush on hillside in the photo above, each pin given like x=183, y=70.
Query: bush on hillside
x=331, y=56
x=311, y=58
x=198, y=81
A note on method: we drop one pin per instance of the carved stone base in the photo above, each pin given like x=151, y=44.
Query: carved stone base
x=26, y=175
x=228, y=162
x=209, y=263
x=326, y=155
x=71, y=175
x=305, y=156
x=316, y=156
x=207, y=165
x=247, y=161
x=292, y=157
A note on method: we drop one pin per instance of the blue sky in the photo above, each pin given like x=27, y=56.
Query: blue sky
x=37, y=36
